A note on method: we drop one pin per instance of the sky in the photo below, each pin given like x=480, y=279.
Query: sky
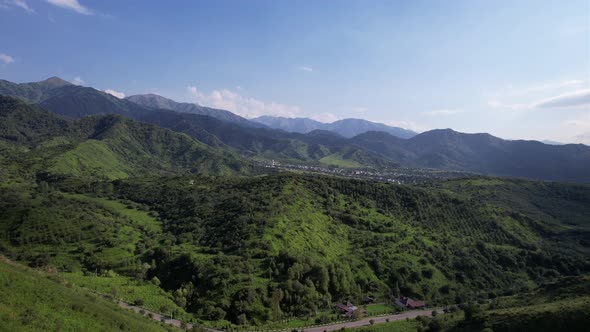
x=516, y=69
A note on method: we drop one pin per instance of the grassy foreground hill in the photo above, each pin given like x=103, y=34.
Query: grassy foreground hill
x=32, y=300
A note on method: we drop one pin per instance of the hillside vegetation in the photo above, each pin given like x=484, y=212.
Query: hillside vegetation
x=166, y=219
x=32, y=300
x=109, y=146
x=252, y=250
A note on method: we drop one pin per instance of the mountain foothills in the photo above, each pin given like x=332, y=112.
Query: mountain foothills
x=436, y=149
x=171, y=211
x=107, y=146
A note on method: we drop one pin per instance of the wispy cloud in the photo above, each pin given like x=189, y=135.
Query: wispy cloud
x=305, y=68
x=536, y=88
x=72, y=5
x=22, y=4
x=117, y=94
x=78, y=81
x=6, y=58
x=241, y=105
x=576, y=99
x=443, y=112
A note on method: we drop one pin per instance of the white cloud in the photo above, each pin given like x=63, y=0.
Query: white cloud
x=443, y=112
x=22, y=4
x=6, y=58
x=72, y=5
x=78, y=81
x=305, y=68
x=241, y=105
x=571, y=100
x=535, y=88
x=576, y=99
x=117, y=94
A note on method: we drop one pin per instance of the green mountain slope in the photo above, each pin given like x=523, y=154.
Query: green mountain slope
x=482, y=153
x=104, y=146
x=34, y=92
x=31, y=300
x=216, y=128
x=226, y=245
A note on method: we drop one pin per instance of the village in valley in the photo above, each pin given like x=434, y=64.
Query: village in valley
x=398, y=175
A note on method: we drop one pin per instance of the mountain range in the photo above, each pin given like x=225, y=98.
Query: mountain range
x=159, y=102
x=224, y=131
x=345, y=127
x=160, y=209
x=104, y=146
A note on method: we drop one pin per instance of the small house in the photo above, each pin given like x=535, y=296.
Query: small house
x=409, y=303
x=348, y=309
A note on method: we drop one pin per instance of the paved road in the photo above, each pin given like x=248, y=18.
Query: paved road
x=365, y=322
x=327, y=328
x=158, y=317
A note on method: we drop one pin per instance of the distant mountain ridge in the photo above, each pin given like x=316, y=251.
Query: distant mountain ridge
x=157, y=101
x=34, y=92
x=436, y=149
x=482, y=153
x=345, y=127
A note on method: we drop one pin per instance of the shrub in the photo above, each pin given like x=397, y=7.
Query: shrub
x=156, y=281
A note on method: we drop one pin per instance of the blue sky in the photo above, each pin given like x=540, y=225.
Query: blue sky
x=516, y=69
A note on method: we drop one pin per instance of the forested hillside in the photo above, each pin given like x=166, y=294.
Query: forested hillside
x=260, y=249
x=109, y=146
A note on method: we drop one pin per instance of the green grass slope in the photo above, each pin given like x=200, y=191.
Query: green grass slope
x=31, y=300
